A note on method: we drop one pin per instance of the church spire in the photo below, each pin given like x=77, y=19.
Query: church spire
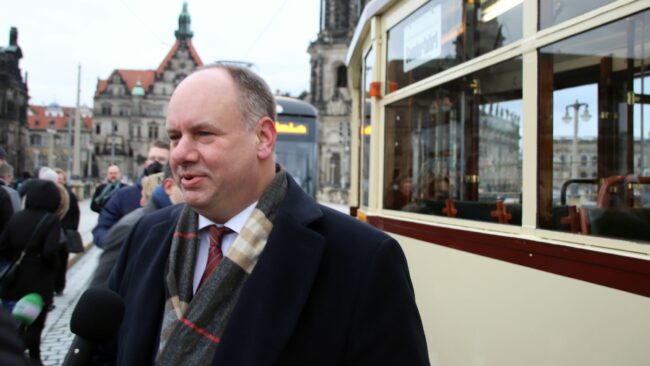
x=184, y=33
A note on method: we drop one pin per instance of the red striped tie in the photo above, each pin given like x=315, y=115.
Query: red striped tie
x=214, y=254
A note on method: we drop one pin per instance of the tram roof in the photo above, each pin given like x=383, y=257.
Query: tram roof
x=371, y=9
x=295, y=107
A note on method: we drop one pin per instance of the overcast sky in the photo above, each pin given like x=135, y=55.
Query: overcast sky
x=103, y=35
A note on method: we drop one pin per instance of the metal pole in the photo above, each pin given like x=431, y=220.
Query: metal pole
x=574, y=165
x=113, y=149
x=76, y=166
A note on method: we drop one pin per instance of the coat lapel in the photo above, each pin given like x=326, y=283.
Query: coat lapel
x=273, y=298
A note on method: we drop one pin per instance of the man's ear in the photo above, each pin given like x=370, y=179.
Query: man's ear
x=168, y=184
x=266, y=135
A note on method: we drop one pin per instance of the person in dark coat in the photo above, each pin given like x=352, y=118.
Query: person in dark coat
x=69, y=221
x=12, y=349
x=38, y=229
x=105, y=190
x=158, y=191
x=127, y=199
x=251, y=270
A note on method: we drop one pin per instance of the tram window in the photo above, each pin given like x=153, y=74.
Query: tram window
x=445, y=33
x=455, y=150
x=594, y=100
x=552, y=12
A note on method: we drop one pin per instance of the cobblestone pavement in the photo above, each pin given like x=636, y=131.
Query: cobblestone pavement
x=56, y=338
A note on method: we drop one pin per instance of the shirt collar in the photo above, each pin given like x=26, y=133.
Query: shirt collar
x=236, y=223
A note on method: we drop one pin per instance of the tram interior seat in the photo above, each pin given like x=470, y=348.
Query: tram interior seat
x=621, y=222
x=473, y=210
x=616, y=214
x=566, y=218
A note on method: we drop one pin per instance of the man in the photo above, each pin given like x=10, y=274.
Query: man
x=154, y=197
x=6, y=176
x=293, y=283
x=104, y=191
x=127, y=199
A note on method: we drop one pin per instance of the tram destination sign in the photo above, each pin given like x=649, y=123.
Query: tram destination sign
x=422, y=37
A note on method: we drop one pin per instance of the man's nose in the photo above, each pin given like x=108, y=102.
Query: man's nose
x=184, y=151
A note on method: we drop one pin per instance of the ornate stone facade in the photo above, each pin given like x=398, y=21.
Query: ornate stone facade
x=13, y=103
x=329, y=94
x=130, y=105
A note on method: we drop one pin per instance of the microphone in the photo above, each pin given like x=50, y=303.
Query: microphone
x=96, y=319
x=27, y=309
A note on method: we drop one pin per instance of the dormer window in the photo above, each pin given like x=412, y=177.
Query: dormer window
x=52, y=124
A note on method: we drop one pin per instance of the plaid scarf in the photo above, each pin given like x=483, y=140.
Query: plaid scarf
x=192, y=325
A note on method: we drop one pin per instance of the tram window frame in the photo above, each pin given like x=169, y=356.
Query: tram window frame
x=442, y=34
x=365, y=127
x=600, y=68
x=465, y=123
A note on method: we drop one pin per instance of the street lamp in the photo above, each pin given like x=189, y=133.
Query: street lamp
x=586, y=116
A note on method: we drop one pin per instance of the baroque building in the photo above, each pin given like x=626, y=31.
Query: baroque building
x=329, y=94
x=13, y=103
x=50, y=137
x=130, y=105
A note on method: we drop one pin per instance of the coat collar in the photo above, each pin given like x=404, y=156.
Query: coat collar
x=276, y=292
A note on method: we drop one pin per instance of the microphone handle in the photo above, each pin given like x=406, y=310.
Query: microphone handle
x=80, y=353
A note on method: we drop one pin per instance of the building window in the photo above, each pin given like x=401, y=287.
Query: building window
x=106, y=109
x=153, y=131
x=36, y=140
x=98, y=129
x=341, y=77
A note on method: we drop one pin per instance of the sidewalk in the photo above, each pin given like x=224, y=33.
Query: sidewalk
x=56, y=335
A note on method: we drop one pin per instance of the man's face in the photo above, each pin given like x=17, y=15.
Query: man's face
x=157, y=154
x=113, y=174
x=213, y=154
x=8, y=178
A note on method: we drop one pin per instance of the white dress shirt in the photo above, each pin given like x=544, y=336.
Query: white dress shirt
x=236, y=223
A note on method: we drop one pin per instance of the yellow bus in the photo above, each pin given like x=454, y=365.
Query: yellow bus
x=505, y=144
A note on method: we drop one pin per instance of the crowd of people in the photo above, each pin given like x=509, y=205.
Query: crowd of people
x=250, y=270
x=39, y=216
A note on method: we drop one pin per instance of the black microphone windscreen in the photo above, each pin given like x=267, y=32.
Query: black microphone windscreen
x=98, y=315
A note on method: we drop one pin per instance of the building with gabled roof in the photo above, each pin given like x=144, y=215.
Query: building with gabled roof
x=130, y=105
x=50, y=133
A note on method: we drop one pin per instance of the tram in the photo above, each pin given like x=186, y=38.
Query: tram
x=505, y=145
x=296, y=148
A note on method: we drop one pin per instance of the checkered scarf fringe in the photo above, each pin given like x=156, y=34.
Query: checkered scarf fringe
x=193, y=325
